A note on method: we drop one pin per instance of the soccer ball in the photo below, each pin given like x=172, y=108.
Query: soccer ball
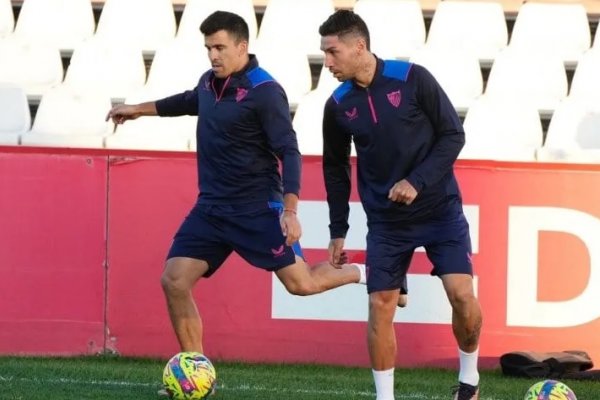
x=189, y=376
x=550, y=390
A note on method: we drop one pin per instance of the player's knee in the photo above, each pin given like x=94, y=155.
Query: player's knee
x=173, y=285
x=461, y=297
x=300, y=288
x=382, y=301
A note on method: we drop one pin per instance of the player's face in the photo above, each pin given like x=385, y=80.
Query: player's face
x=225, y=54
x=341, y=55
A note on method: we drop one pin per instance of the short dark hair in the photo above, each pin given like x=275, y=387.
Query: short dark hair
x=225, y=21
x=344, y=22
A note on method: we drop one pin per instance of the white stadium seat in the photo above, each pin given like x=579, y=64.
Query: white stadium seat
x=538, y=78
x=196, y=11
x=153, y=133
x=143, y=24
x=69, y=119
x=308, y=122
x=114, y=71
x=295, y=25
x=290, y=68
x=327, y=81
x=15, y=118
x=35, y=67
x=7, y=18
x=57, y=23
x=502, y=130
x=308, y=118
x=469, y=26
x=177, y=66
x=586, y=79
x=573, y=134
x=562, y=29
x=396, y=27
x=458, y=72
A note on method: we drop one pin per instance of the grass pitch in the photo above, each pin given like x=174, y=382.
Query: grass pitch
x=108, y=377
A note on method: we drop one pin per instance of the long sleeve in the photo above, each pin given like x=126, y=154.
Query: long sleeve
x=274, y=114
x=336, y=171
x=185, y=103
x=450, y=136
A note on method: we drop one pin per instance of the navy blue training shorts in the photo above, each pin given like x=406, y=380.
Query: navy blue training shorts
x=390, y=247
x=212, y=232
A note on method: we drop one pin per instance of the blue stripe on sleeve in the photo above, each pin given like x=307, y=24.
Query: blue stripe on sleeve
x=258, y=76
x=396, y=69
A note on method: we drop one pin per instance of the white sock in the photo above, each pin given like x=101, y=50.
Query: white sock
x=362, y=270
x=384, y=384
x=468, y=367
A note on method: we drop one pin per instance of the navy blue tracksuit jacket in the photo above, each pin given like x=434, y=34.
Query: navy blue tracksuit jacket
x=244, y=129
x=403, y=127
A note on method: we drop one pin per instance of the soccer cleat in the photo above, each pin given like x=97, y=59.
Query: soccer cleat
x=465, y=391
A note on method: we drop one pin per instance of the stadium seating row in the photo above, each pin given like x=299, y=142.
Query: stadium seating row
x=497, y=128
x=107, y=60
x=429, y=6
x=111, y=60
x=398, y=25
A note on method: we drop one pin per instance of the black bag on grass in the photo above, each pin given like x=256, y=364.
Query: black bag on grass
x=560, y=364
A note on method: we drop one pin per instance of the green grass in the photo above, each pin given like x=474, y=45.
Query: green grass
x=107, y=378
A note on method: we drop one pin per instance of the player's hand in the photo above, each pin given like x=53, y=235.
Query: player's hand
x=337, y=256
x=403, y=192
x=290, y=227
x=123, y=112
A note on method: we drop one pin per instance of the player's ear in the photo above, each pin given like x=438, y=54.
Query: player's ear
x=361, y=44
x=243, y=47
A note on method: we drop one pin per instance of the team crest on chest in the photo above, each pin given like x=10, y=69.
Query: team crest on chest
x=395, y=98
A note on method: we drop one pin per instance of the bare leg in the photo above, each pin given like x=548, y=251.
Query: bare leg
x=178, y=279
x=466, y=325
x=381, y=335
x=303, y=280
x=466, y=312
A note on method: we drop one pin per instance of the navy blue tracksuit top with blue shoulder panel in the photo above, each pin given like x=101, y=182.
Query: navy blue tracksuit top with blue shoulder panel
x=244, y=129
x=403, y=127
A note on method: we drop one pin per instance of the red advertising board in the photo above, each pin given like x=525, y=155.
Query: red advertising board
x=534, y=227
x=52, y=253
x=148, y=198
x=526, y=292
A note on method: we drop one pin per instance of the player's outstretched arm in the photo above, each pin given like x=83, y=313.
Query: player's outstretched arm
x=123, y=112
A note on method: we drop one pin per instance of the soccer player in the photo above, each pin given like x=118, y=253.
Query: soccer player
x=407, y=136
x=245, y=205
